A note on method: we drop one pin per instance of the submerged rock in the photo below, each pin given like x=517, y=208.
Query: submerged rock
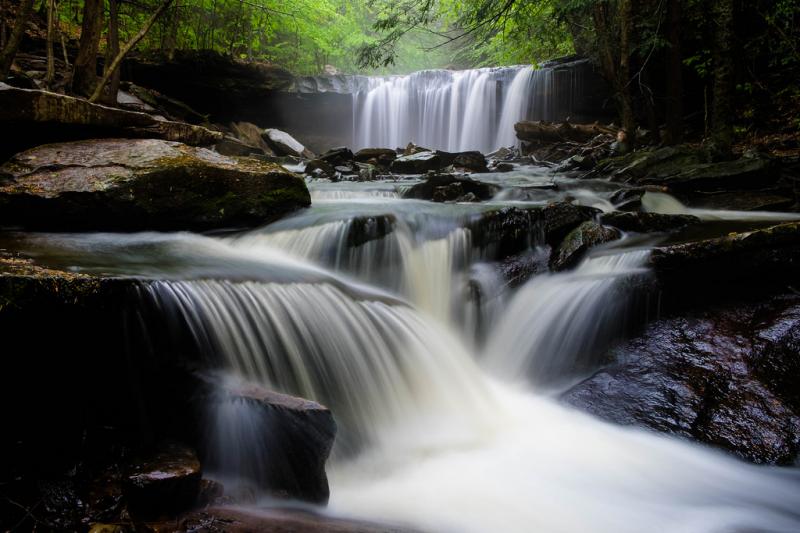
x=575, y=245
x=163, y=484
x=433, y=188
x=142, y=184
x=727, y=377
x=647, y=222
x=369, y=228
x=503, y=232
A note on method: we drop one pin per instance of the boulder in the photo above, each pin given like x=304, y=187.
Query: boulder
x=369, y=228
x=284, y=144
x=757, y=257
x=118, y=184
x=163, y=484
x=250, y=134
x=431, y=188
x=556, y=220
x=338, y=156
x=298, y=435
x=417, y=163
x=727, y=377
x=470, y=161
x=232, y=146
x=647, y=222
x=575, y=245
x=628, y=199
x=503, y=232
x=320, y=168
x=39, y=117
x=167, y=106
x=377, y=156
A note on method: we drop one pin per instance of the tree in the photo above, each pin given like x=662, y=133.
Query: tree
x=84, y=73
x=722, y=104
x=14, y=40
x=674, y=76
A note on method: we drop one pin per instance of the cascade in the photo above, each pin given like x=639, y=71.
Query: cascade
x=458, y=110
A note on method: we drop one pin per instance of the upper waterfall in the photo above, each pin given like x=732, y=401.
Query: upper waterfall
x=459, y=110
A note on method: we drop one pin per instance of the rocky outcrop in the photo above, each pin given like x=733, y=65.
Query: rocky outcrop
x=647, y=222
x=575, y=245
x=377, y=156
x=727, y=376
x=142, y=184
x=418, y=163
x=761, y=257
x=447, y=187
x=37, y=117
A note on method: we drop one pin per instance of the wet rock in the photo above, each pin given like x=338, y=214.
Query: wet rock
x=366, y=172
x=556, y=220
x=504, y=232
x=366, y=229
x=320, y=169
x=163, y=484
x=142, y=184
x=501, y=167
x=628, y=199
x=417, y=163
x=647, y=222
x=468, y=198
x=250, y=134
x=761, y=256
x=39, y=117
x=578, y=242
x=518, y=269
x=296, y=443
x=241, y=520
x=234, y=147
x=338, y=156
x=470, y=161
x=739, y=201
x=458, y=186
x=284, y=144
x=412, y=149
x=167, y=106
x=377, y=156
x=721, y=377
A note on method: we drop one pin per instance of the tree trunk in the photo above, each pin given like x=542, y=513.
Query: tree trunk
x=112, y=49
x=84, y=74
x=624, y=71
x=51, y=30
x=722, y=102
x=127, y=48
x=674, y=133
x=14, y=40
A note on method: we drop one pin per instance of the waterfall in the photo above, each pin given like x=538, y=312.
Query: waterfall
x=557, y=324
x=458, y=110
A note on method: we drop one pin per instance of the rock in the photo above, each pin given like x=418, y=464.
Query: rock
x=250, y=134
x=377, y=156
x=39, y=117
x=232, y=146
x=117, y=184
x=504, y=232
x=653, y=164
x=578, y=242
x=338, y=156
x=164, y=484
x=431, y=188
x=468, y=198
x=320, y=169
x=366, y=172
x=298, y=438
x=743, y=201
x=718, y=377
x=628, y=199
x=166, y=105
x=549, y=132
x=412, y=149
x=417, y=163
x=271, y=520
x=502, y=167
x=556, y=220
x=757, y=257
x=366, y=229
x=647, y=222
x=470, y=161
x=345, y=170
x=284, y=144
x=518, y=269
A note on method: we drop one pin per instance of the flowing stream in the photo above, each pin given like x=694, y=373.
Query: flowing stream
x=443, y=426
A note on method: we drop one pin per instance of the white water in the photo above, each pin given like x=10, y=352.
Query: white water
x=454, y=110
x=656, y=202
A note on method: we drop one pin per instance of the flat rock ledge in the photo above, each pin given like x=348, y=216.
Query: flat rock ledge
x=142, y=184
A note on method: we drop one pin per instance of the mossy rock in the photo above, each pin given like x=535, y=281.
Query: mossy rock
x=116, y=184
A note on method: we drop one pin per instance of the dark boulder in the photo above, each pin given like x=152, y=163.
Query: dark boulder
x=428, y=189
x=320, y=169
x=338, y=156
x=470, y=161
x=376, y=156
x=556, y=220
x=575, y=245
x=768, y=200
x=503, y=232
x=366, y=229
x=298, y=436
x=727, y=376
x=142, y=184
x=164, y=483
x=417, y=163
x=647, y=222
x=628, y=199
